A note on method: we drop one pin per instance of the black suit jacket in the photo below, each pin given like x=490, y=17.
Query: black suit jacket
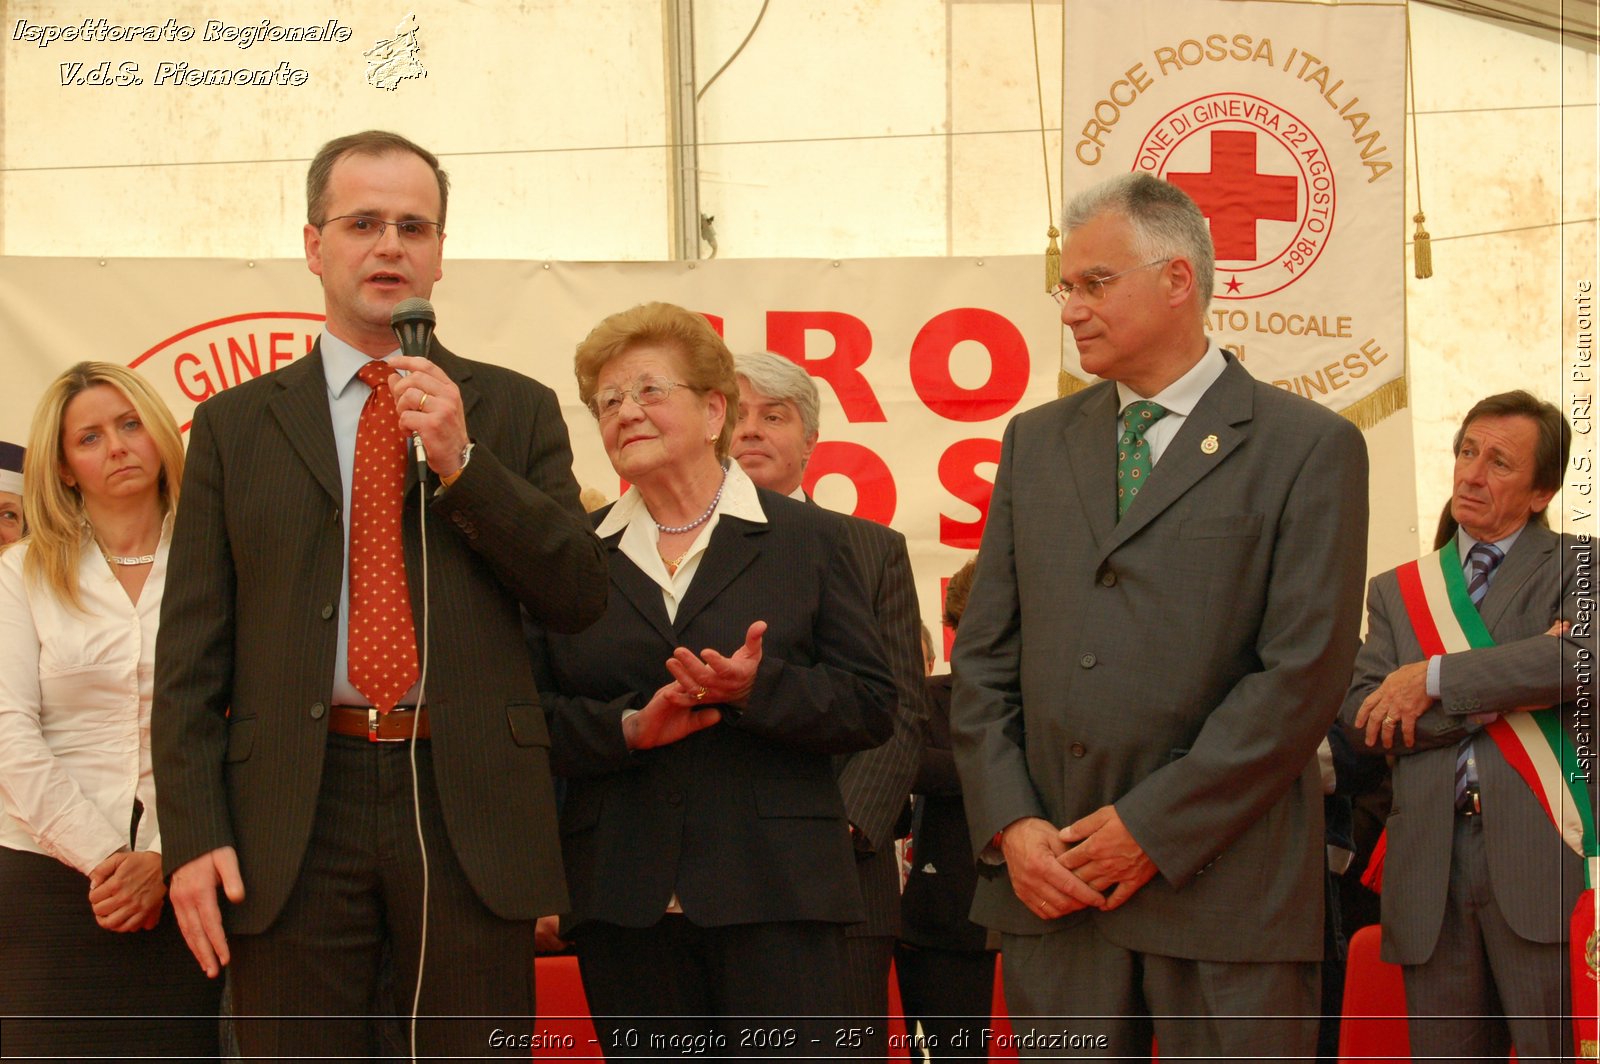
x=742, y=821
x=875, y=782
x=244, y=663
x=943, y=877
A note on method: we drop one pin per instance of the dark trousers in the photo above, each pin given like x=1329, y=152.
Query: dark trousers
x=950, y=993
x=305, y=987
x=1486, y=988
x=866, y=994
x=69, y=988
x=675, y=989
x=1072, y=988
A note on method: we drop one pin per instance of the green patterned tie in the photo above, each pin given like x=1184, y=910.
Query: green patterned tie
x=1133, y=453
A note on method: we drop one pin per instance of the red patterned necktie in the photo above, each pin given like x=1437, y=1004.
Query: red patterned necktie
x=383, y=642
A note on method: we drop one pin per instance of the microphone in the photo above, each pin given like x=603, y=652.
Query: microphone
x=412, y=321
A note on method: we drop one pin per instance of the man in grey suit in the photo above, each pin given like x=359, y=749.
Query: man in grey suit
x=299, y=766
x=1167, y=596
x=777, y=429
x=1478, y=883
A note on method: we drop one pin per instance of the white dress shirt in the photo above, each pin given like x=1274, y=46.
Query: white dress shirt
x=75, y=688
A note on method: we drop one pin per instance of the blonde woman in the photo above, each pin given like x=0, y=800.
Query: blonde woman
x=87, y=953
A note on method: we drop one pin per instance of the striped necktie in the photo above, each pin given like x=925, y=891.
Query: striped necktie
x=1481, y=562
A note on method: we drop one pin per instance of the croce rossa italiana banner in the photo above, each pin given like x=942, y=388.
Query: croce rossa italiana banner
x=1285, y=122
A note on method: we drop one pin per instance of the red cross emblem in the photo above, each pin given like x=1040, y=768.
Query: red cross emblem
x=1235, y=197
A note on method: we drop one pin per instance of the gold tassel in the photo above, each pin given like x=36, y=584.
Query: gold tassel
x=1067, y=384
x=1052, y=261
x=1422, y=248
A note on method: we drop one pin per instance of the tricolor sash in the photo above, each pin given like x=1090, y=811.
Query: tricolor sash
x=1445, y=621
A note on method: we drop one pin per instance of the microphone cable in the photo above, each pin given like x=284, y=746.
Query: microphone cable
x=416, y=786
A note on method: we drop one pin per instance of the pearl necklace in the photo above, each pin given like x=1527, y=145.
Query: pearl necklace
x=672, y=530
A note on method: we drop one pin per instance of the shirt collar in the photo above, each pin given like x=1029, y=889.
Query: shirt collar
x=1465, y=542
x=341, y=362
x=739, y=500
x=1181, y=396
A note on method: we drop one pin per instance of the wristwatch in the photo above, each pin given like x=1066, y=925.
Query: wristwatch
x=466, y=456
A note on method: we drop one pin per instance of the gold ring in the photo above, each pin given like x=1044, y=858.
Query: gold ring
x=1387, y=721
x=422, y=404
x=700, y=695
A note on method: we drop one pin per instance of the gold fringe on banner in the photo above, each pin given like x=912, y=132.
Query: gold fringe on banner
x=1067, y=384
x=1391, y=398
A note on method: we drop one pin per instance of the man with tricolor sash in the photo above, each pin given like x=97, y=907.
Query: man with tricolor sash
x=1477, y=675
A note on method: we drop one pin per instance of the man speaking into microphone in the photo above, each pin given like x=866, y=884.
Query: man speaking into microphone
x=345, y=726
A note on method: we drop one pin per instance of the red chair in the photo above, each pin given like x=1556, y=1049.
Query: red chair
x=1373, y=1027
x=562, y=1029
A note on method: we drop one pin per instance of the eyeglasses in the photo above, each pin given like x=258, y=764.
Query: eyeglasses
x=1094, y=289
x=646, y=391
x=365, y=228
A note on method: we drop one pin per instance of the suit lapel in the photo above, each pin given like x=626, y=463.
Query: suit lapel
x=1090, y=439
x=643, y=592
x=301, y=409
x=732, y=549
x=1528, y=554
x=1188, y=457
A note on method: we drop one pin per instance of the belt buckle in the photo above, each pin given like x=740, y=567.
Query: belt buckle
x=1473, y=802
x=373, y=717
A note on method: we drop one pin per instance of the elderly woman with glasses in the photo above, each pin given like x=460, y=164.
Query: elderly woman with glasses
x=705, y=841
x=91, y=960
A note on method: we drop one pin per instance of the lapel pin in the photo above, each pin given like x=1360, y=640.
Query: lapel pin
x=1209, y=444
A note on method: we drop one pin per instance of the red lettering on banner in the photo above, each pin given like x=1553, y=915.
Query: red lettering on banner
x=1235, y=197
x=852, y=345
x=275, y=354
x=1009, y=365
x=187, y=377
x=717, y=324
x=874, y=483
x=958, y=472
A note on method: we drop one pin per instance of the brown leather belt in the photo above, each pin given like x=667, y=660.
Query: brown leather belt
x=395, y=726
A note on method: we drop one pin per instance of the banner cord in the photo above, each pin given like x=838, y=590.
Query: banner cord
x=1421, y=244
x=1052, y=254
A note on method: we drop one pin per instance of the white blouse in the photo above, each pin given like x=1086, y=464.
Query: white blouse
x=75, y=690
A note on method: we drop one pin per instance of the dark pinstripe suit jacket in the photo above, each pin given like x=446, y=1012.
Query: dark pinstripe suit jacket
x=1182, y=663
x=244, y=666
x=875, y=782
x=1534, y=876
x=742, y=821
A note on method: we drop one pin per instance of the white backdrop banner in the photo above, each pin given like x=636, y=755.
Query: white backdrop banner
x=920, y=362
x=1286, y=123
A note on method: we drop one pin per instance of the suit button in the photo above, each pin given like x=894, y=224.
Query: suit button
x=317, y=710
x=1078, y=749
x=459, y=518
x=1087, y=661
x=1108, y=578
x=674, y=798
x=327, y=611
